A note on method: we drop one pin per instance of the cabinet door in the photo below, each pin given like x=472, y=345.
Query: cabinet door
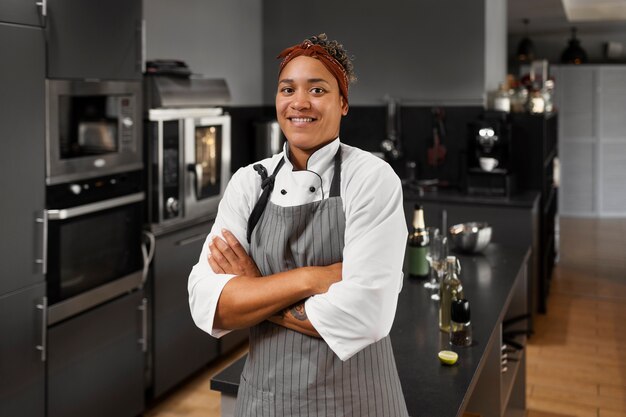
x=575, y=101
x=96, y=361
x=22, y=370
x=180, y=348
x=24, y=12
x=22, y=75
x=611, y=102
x=94, y=39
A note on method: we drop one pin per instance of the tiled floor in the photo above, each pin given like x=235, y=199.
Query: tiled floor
x=577, y=357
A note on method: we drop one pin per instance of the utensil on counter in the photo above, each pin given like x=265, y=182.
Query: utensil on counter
x=391, y=145
x=437, y=153
x=471, y=237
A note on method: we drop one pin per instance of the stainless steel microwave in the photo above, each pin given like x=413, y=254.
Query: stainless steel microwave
x=188, y=163
x=93, y=128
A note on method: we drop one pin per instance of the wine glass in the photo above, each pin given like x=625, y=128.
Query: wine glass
x=433, y=233
x=438, y=251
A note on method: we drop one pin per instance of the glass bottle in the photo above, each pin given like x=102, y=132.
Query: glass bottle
x=418, y=245
x=519, y=99
x=502, y=99
x=451, y=289
x=460, y=324
x=536, y=103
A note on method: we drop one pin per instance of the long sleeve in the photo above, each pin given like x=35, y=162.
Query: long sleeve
x=205, y=286
x=360, y=309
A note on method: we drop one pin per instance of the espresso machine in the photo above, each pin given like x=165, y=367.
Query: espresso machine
x=490, y=156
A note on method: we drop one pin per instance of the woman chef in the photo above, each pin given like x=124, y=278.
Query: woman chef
x=307, y=250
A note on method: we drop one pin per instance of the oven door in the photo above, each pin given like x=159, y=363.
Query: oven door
x=207, y=162
x=94, y=254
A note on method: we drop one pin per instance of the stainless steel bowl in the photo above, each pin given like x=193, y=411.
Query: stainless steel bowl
x=470, y=237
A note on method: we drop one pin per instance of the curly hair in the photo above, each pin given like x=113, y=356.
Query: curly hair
x=337, y=51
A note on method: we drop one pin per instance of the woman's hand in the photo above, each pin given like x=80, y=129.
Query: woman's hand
x=229, y=257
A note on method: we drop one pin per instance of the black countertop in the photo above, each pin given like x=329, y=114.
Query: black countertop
x=451, y=196
x=430, y=388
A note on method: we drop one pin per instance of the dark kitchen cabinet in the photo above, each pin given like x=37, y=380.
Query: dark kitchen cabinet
x=23, y=12
x=22, y=346
x=179, y=347
x=22, y=159
x=96, y=361
x=94, y=39
x=536, y=137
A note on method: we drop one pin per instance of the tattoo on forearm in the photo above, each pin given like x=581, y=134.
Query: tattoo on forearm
x=298, y=311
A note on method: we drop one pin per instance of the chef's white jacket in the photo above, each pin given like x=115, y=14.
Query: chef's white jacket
x=358, y=310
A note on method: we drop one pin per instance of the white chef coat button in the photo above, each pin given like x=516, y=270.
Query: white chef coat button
x=312, y=189
x=283, y=191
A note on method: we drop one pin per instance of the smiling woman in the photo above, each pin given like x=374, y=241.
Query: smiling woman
x=312, y=95
x=313, y=270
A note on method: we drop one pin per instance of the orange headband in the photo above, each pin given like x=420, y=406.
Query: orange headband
x=309, y=49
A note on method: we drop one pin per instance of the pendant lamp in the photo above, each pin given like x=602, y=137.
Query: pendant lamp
x=525, y=48
x=574, y=53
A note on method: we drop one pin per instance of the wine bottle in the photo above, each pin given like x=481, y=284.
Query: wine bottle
x=451, y=289
x=418, y=246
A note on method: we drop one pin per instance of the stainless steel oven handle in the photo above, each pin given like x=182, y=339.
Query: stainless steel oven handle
x=197, y=170
x=44, y=7
x=143, y=341
x=68, y=213
x=43, y=347
x=43, y=259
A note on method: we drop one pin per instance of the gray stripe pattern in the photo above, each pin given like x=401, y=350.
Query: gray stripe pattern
x=291, y=374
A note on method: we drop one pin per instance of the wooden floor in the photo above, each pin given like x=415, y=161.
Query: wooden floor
x=577, y=357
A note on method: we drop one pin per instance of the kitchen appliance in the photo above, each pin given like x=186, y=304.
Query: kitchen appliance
x=93, y=129
x=188, y=149
x=489, y=153
x=94, y=252
x=269, y=139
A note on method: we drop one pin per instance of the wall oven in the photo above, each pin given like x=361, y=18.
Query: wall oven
x=93, y=128
x=94, y=242
x=188, y=163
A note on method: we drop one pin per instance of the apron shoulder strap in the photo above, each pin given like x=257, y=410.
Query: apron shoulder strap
x=267, y=185
x=335, y=185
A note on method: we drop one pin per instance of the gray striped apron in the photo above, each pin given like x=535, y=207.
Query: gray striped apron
x=291, y=374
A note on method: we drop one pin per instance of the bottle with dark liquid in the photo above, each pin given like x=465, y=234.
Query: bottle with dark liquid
x=418, y=246
x=451, y=290
x=460, y=325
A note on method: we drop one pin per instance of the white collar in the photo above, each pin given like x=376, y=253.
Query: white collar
x=319, y=160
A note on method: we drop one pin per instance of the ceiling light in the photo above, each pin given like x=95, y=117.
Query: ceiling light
x=594, y=10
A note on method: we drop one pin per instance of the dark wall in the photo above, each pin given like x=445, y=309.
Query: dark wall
x=365, y=127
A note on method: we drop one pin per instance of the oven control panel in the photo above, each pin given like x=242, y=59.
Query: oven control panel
x=77, y=193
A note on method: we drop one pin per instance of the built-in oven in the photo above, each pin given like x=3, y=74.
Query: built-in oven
x=94, y=242
x=93, y=128
x=188, y=162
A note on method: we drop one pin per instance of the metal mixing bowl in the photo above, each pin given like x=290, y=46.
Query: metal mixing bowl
x=470, y=237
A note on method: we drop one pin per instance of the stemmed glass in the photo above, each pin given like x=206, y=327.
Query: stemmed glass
x=432, y=283
x=437, y=253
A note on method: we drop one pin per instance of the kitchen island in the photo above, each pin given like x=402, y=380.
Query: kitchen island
x=516, y=220
x=495, y=284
